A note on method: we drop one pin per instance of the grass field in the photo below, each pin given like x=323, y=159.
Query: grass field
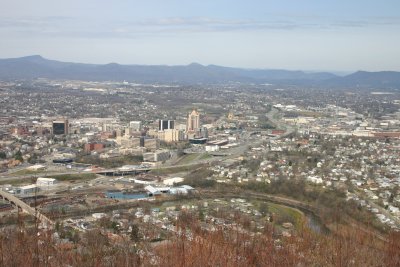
x=188, y=158
x=287, y=213
x=74, y=177
x=172, y=169
x=169, y=170
x=15, y=181
x=205, y=156
x=25, y=172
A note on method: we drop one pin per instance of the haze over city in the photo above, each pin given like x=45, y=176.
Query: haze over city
x=339, y=36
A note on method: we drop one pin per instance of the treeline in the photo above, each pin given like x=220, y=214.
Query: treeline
x=110, y=163
x=200, y=178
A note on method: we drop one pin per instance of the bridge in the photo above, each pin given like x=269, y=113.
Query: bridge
x=121, y=171
x=25, y=207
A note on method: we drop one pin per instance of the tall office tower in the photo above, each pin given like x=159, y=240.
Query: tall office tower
x=203, y=132
x=60, y=127
x=165, y=125
x=193, y=121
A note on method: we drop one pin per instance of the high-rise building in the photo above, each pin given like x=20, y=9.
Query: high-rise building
x=60, y=127
x=202, y=132
x=193, y=121
x=165, y=125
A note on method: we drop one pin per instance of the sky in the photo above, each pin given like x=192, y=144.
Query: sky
x=310, y=35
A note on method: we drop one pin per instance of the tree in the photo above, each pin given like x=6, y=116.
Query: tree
x=33, y=159
x=201, y=215
x=115, y=227
x=3, y=155
x=263, y=208
x=18, y=156
x=135, y=236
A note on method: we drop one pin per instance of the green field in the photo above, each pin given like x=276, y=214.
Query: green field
x=25, y=172
x=188, y=158
x=285, y=213
x=15, y=181
x=171, y=170
x=74, y=177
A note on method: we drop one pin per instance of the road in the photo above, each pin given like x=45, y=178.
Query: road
x=233, y=152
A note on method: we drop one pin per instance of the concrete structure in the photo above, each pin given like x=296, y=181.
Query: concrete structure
x=202, y=132
x=171, y=135
x=27, y=189
x=25, y=207
x=128, y=142
x=149, y=143
x=160, y=155
x=193, y=122
x=45, y=182
x=110, y=126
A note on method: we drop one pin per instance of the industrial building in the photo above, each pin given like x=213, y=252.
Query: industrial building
x=45, y=182
x=27, y=189
x=212, y=148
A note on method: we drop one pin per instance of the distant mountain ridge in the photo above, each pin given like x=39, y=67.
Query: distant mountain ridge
x=32, y=67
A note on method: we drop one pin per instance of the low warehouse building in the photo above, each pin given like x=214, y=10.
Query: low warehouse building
x=27, y=189
x=45, y=181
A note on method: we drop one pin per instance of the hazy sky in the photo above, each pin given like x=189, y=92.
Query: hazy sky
x=340, y=35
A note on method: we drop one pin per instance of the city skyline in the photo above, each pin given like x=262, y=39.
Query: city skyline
x=311, y=35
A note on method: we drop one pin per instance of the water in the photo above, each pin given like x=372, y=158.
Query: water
x=122, y=195
x=315, y=224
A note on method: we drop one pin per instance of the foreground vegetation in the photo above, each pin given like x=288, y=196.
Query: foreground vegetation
x=109, y=163
x=191, y=245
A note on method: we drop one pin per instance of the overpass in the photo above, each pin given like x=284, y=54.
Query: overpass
x=25, y=207
x=119, y=171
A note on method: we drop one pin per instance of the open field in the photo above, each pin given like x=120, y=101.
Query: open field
x=74, y=177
